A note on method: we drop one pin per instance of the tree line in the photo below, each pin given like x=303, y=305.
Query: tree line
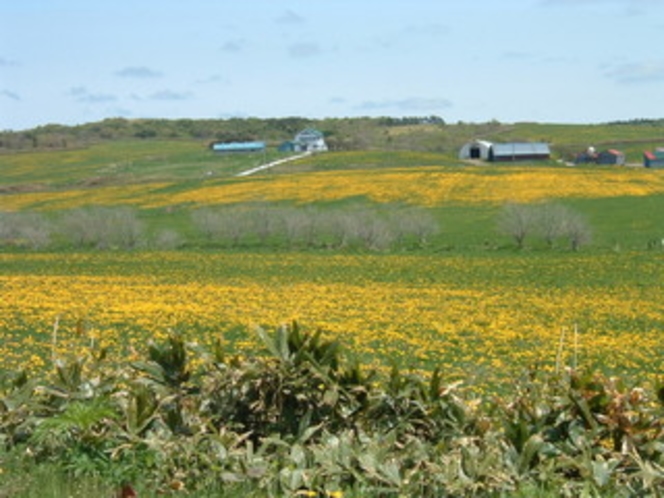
x=265, y=225
x=252, y=225
x=547, y=221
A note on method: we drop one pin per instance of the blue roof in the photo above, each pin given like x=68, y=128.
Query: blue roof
x=238, y=146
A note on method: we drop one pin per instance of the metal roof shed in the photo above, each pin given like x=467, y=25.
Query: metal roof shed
x=238, y=146
x=653, y=159
x=477, y=149
x=519, y=151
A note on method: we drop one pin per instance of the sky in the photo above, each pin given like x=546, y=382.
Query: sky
x=555, y=61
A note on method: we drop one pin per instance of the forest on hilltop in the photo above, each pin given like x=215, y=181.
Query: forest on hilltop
x=340, y=133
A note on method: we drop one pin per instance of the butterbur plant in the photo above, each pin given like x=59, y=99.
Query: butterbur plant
x=305, y=419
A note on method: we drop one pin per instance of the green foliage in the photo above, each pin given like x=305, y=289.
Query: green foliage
x=307, y=420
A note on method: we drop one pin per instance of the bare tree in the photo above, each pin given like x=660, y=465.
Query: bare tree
x=25, y=230
x=578, y=231
x=103, y=227
x=551, y=221
x=413, y=223
x=517, y=221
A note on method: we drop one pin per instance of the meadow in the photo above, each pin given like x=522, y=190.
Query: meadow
x=465, y=307
x=467, y=301
x=482, y=318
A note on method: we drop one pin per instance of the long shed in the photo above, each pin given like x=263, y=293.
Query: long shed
x=519, y=151
x=228, y=147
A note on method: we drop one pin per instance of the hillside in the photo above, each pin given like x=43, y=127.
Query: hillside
x=170, y=173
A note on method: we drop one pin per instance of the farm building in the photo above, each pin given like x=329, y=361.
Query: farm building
x=654, y=159
x=229, y=147
x=308, y=140
x=514, y=151
x=610, y=156
x=587, y=157
x=519, y=151
x=477, y=149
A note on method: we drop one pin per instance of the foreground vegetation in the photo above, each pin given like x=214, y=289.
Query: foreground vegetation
x=308, y=420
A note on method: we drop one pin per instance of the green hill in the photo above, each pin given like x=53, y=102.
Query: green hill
x=143, y=163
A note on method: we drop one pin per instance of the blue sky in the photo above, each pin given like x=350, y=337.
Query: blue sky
x=561, y=61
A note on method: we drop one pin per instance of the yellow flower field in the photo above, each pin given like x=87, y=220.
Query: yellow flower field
x=434, y=186
x=421, y=311
x=426, y=186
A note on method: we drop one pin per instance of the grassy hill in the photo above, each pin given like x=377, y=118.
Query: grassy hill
x=168, y=171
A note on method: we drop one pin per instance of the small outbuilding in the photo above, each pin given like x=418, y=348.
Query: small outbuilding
x=587, y=157
x=654, y=159
x=519, y=151
x=477, y=149
x=610, y=156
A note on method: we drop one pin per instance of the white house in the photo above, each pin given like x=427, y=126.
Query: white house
x=309, y=140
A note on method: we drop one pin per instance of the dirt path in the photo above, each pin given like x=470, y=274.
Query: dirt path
x=273, y=163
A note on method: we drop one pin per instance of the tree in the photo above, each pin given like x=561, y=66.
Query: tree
x=517, y=221
x=551, y=221
x=577, y=231
x=103, y=227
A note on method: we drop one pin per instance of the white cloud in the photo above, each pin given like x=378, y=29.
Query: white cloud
x=233, y=46
x=10, y=95
x=304, y=49
x=629, y=7
x=433, y=29
x=290, y=17
x=8, y=62
x=138, y=72
x=414, y=104
x=636, y=72
x=170, y=95
x=81, y=94
x=212, y=79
